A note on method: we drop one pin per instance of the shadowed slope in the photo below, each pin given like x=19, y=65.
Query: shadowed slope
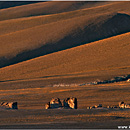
x=8, y=4
x=48, y=38
x=109, y=54
x=44, y=8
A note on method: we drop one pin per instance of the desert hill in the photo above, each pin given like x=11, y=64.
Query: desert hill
x=44, y=8
x=9, y=26
x=9, y=4
x=47, y=38
x=109, y=56
x=80, y=27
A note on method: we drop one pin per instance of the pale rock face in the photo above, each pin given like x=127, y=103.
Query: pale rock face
x=12, y=105
x=47, y=106
x=70, y=103
x=128, y=80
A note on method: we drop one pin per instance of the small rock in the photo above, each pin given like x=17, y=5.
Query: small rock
x=88, y=107
x=128, y=80
x=93, y=106
x=121, y=105
x=127, y=105
x=100, y=105
x=47, y=106
x=96, y=106
x=108, y=107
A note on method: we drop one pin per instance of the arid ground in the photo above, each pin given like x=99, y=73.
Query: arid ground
x=54, y=49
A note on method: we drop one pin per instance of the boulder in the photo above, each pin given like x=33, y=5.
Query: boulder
x=108, y=107
x=88, y=107
x=100, y=105
x=12, y=105
x=47, y=106
x=70, y=103
x=96, y=106
x=55, y=103
x=93, y=106
x=121, y=105
x=128, y=80
x=127, y=105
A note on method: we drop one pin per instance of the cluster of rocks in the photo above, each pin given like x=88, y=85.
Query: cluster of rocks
x=96, y=106
x=113, y=80
x=121, y=105
x=68, y=103
x=11, y=105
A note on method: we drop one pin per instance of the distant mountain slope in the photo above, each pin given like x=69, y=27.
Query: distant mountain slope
x=9, y=26
x=110, y=55
x=45, y=8
x=48, y=38
x=9, y=4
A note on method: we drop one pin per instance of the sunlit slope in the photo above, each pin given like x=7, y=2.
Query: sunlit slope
x=108, y=54
x=44, y=8
x=40, y=40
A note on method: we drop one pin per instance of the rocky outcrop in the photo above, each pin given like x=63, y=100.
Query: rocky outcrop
x=70, y=103
x=11, y=105
x=54, y=103
x=123, y=105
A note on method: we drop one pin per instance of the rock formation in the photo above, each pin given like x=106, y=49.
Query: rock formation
x=70, y=103
x=54, y=103
x=123, y=105
x=11, y=105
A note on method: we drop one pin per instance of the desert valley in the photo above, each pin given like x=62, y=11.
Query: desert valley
x=61, y=50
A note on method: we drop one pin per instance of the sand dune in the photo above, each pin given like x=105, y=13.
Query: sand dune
x=9, y=4
x=40, y=40
x=44, y=8
x=80, y=27
x=110, y=55
x=9, y=26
